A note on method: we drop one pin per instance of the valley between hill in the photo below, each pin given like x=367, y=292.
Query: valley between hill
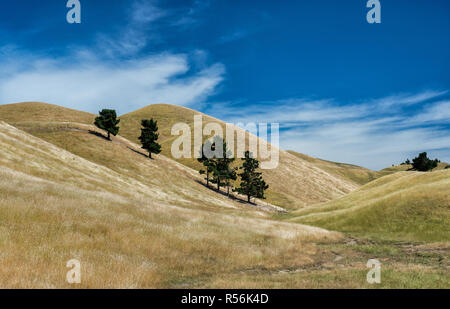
x=66, y=192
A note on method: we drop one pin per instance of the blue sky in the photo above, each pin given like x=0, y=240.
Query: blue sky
x=341, y=89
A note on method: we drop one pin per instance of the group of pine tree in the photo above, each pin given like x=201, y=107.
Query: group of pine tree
x=218, y=168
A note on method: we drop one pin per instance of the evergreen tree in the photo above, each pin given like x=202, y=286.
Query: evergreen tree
x=207, y=162
x=149, y=136
x=230, y=175
x=107, y=120
x=407, y=162
x=423, y=163
x=222, y=171
x=252, y=183
x=219, y=167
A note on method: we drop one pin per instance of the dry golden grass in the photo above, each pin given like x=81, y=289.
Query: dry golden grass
x=42, y=112
x=411, y=206
x=308, y=183
x=133, y=222
x=126, y=232
x=353, y=173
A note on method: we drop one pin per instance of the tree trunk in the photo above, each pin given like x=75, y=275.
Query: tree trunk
x=248, y=198
x=109, y=135
x=218, y=184
x=228, y=190
x=207, y=177
x=149, y=155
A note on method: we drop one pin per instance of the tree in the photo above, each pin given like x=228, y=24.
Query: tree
x=149, y=136
x=230, y=175
x=422, y=163
x=108, y=121
x=222, y=171
x=252, y=183
x=207, y=162
x=407, y=162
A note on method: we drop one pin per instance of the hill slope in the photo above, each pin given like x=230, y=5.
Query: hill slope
x=158, y=228
x=66, y=192
x=42, y=112
x=308, y=184
x=409, y=206
x=354, y=173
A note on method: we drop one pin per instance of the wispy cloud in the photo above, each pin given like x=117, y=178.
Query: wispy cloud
x=132, y=38
x=112, y=73
x=124, y=86
x=400, y=100
x=365, y=133
x=434, y=113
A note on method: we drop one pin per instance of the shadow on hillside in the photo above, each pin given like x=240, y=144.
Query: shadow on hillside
x=98, y=134
x=231, y=196
x=140, y=153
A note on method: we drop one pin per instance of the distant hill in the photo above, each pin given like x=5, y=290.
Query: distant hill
x=357, y=174
x=294, y=183
x=311, y=180
x=42, y=112
x=409, y=206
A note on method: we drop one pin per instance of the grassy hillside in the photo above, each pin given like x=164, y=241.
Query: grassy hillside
x=308, y=183
x=409, y=206
x=42, y=112
x=156, y=229
x=66, y=192
x=357, y=174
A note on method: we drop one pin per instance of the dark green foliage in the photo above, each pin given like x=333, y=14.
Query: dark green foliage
x=407, y=162
x=108, y=121
x=219, y=167
x=207, y=162
x=252, y=183
x=229, y=176
x=222, y=171
x=448, y=166
x=422, y=163
x=149, y=136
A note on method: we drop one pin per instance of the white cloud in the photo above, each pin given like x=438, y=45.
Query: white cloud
x=132, y=38
x=367, y=133
x=116, y=74
x=436, y=112
x=124, y=86
x=400, y=100
x=113, y=73
x=144, y=12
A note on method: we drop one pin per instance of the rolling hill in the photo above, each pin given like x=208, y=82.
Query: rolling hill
x=131, y=221
x=407, y=206
x=37, y=112
x=310, y=183
x=66, y=192
x=357, y=174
